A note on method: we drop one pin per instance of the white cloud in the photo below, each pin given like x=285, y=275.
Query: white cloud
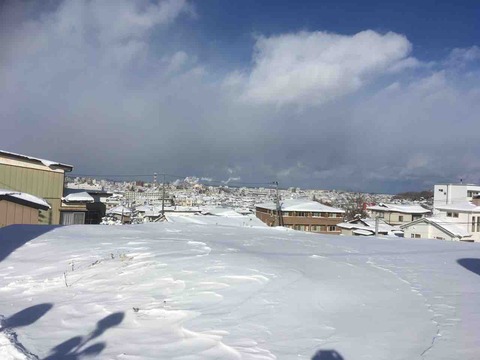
x=177, y=61
x=120, y=20
x=462, y=56
x=111, y=31
x=126, y=99
x=314, y=67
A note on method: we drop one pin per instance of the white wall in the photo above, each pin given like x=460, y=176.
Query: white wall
x=464, y=220
x=426, y=231
x=451, y=194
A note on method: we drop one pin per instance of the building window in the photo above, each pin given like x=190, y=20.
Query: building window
x=332, y=228
x=415, y=236
x=316, y=214
x=72, y=218
x=478, y=223
x=452, y=214
x=473, y=223
x=400, y=218
x=380, y=214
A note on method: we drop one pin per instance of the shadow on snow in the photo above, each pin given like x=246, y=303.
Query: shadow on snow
x=73, y=349
x=27, y=316
x=327, y=355
x=14, y=236
x=78, y=346
x=470, y=264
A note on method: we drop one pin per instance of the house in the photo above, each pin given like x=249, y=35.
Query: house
x=38, y=177
x=367, y=227
x=20, y=208
x=448, y=194
x=302, y=215
x=457, y=221
x=120, y=213
x=83, y=207
x=435, y=227
x=394, y=214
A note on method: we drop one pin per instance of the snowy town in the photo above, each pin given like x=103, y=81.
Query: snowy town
x=211, y=228
x=239, y=180
x=452, y=213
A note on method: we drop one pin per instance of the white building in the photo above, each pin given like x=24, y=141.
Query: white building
x=436, y=228
x=448, y=194
x=455, y=221
x=395, y=214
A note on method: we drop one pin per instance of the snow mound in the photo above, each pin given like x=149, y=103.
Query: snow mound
x=183, y=290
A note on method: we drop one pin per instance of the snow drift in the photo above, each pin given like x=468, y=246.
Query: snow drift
x=196, y=291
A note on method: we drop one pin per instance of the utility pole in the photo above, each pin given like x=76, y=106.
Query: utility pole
x=279, y=208
x=163, y=196
x=376, y=226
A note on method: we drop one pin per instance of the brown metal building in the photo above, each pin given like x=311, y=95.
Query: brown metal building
x=19, y=208
x=39, y=177
x=302, y=215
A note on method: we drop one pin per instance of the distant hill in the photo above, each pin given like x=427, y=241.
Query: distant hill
x=414, y=195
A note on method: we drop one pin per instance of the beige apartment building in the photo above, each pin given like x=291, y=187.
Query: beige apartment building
x=39, y=177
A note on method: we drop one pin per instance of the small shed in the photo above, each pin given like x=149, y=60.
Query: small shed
x=20, y=208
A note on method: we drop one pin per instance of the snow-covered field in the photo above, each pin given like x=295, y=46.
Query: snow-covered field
x=207, y=291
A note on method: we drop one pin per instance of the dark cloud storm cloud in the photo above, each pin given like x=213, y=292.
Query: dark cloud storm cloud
x=99, y=85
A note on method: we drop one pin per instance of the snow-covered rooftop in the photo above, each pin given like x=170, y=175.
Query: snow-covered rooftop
x=28, y=198
x=300, y=205
x=448, y=225
x=48, y=163
x=78, y=197
x=368, y=225
x=460, y=206
x=188, y=291
x=406, y=209
x=120, y=210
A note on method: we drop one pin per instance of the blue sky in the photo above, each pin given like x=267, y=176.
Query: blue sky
x=434, y=27
x=371, y=96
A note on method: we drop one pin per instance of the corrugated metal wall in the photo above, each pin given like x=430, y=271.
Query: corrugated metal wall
x=42, y=183
x=12, y=213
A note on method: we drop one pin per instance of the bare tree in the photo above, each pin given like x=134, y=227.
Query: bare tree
x=355, y=206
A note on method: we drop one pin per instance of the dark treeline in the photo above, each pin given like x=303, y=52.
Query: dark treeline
x=414, y=195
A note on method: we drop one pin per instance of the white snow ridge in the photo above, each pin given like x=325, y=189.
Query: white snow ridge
x=209, y=291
